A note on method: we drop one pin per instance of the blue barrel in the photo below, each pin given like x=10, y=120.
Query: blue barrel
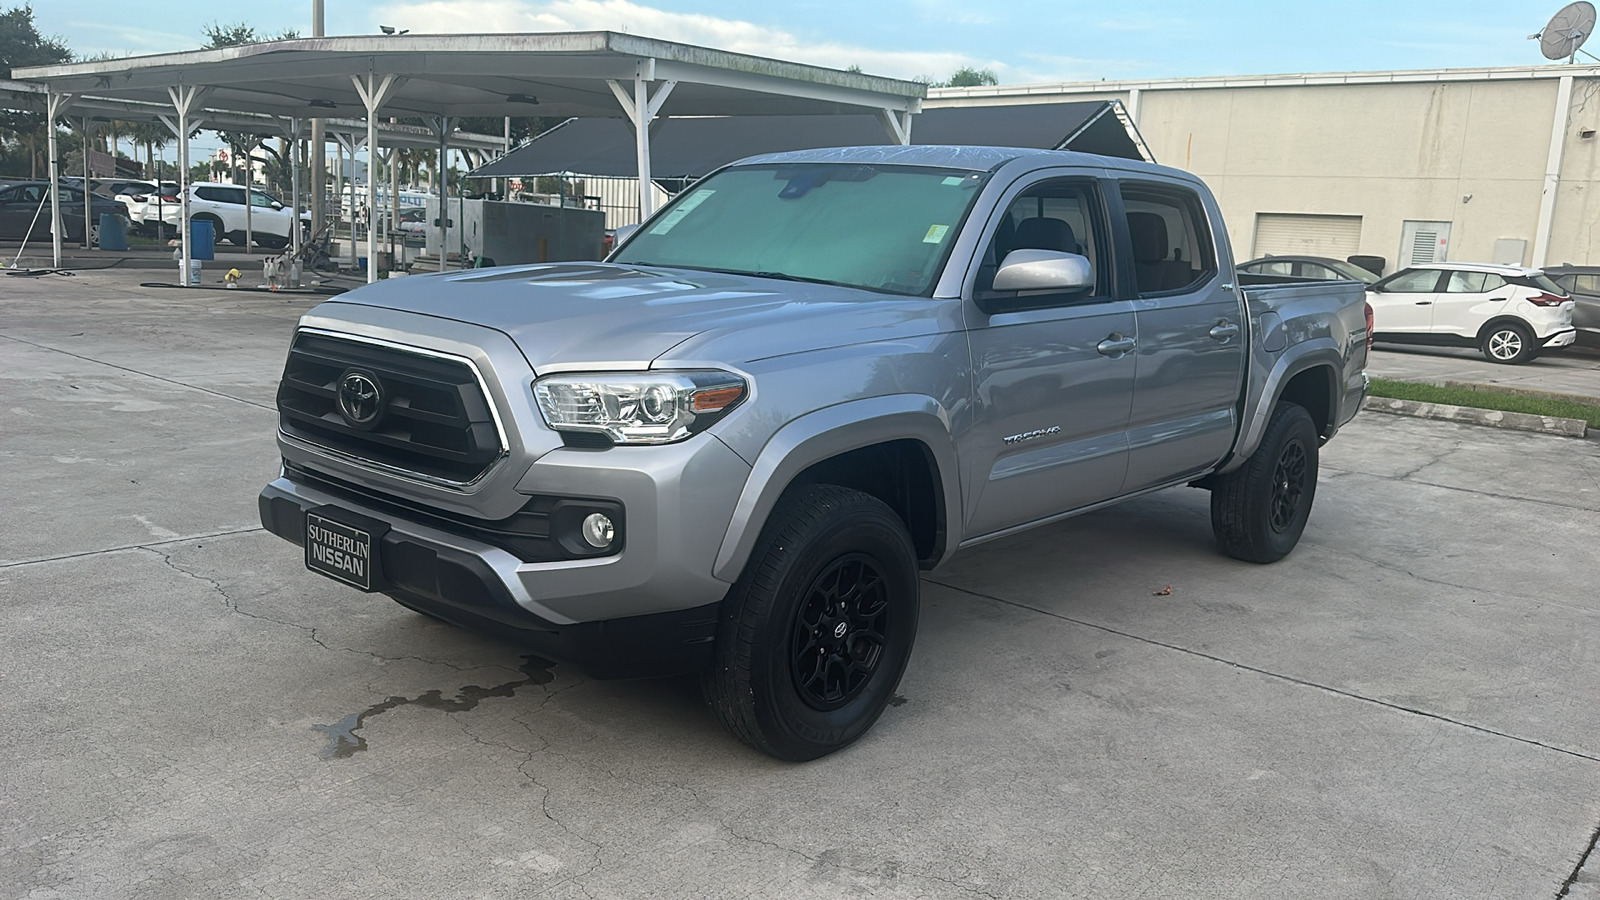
x=113, y=235
x=202, y=242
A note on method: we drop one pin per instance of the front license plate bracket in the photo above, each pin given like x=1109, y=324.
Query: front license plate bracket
x=345, y=546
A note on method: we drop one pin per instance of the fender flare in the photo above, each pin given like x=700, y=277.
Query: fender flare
x=827, y=433
x=1298, y=358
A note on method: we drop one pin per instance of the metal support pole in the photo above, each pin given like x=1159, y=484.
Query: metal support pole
x=250, y=204
x=1552, y=173
x=55, y=105
x=373, y=96
x=88, y=233
x=294, y=183
x=441, y=127
x=641, y=108
x=185, y=100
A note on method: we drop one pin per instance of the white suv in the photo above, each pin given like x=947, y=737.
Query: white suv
x=1509, y=312
x=223, y=205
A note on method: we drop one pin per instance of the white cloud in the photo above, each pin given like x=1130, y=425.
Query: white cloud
x=450, y=16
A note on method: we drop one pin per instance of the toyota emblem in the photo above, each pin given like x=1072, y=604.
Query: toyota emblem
x=360, y=399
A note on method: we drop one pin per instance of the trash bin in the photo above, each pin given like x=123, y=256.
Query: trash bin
x=113, y=233
x=202, y=240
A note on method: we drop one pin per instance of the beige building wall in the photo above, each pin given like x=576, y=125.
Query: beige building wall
x=1465, y=148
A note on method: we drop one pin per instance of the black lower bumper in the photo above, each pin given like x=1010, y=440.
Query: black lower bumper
x=459, y=587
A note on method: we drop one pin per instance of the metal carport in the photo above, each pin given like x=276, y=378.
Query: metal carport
x=441, y=78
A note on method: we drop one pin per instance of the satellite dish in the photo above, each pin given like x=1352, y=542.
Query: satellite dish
x=1567, y=31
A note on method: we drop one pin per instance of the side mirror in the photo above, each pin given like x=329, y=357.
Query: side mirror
x=277, y=205
x=1044, y=270
x=623, y=233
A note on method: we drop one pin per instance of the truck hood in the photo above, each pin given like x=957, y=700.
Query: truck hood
x=583, y=315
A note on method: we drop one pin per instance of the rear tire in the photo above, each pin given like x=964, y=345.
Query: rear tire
x=1509, y=343
x=1259, y=510
x=816, y=633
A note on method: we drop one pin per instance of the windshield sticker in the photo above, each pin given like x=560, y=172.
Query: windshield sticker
x=688, y=206
x=952, y=181
x=935, y=234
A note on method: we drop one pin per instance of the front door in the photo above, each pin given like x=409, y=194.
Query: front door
x=1403, y=302
x=1192, y=337
x=1052, y=383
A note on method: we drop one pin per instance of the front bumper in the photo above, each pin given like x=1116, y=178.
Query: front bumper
x=485, y=588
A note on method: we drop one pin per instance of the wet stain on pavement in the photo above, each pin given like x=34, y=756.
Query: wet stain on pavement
x=345, y=743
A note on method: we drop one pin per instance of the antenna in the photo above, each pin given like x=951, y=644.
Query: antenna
x=1567, y=31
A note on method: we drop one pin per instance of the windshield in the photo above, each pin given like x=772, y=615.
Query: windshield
x=883, y=228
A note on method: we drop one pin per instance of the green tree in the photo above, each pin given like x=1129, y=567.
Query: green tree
x=966, y=76
x=22, y=134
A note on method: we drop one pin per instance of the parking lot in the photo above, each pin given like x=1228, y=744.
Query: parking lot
x=1404, y=708
x=1570, y=371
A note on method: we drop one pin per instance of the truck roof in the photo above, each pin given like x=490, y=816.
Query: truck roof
x=969, y=158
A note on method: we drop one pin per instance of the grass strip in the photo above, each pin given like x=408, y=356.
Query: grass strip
x=1487, y=397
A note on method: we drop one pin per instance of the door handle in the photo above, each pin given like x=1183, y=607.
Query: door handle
x=1224, y=330
x=1424, y=302
x=1116, y=345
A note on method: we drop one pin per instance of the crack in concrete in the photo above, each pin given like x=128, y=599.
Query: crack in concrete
x=1482, y=729
x=101, y=362
x=232, y=605
x=1577, y=870
x=146, y=546
x=1541, y=501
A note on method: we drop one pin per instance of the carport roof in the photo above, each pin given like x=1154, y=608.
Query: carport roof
x=481, y=75
x=692, y=147
x=31, y=98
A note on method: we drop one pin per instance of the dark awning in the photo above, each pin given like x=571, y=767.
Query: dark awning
x=691, y=147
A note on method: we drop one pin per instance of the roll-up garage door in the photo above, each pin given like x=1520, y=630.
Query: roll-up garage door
x=1286, y=234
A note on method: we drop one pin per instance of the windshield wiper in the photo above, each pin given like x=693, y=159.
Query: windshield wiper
x=785, y=276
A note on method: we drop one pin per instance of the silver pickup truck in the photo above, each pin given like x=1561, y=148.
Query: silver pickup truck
x=732, y=447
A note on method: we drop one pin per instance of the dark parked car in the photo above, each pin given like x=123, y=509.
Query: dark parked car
x=1320, y=267
x=1582, y=283
x=26, y=204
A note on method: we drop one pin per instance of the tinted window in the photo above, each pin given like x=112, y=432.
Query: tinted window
x=1056, y=215
x=1271, y=268
x=207, y=193
x=1465, y=283
x=1312, y=270
x=1588, y=284
x=1418, y=281
x=1171, y=242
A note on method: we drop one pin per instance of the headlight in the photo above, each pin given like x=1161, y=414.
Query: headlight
x=642, y=408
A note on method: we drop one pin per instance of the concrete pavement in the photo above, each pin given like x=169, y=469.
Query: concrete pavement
x=1402, y=709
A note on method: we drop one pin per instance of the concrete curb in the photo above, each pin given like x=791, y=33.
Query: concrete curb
x=1493, y=418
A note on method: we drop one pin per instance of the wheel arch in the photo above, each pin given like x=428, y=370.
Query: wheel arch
x=1504, y=319
x=1323, y=358
x=897, y=448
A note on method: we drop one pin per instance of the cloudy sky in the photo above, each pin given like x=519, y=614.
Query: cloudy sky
x=1022, y=41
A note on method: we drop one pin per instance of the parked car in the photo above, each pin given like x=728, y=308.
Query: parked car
x=1510, y=313
x=1320, y=267
x=144, y=200
x=1582, y=283
x=734, y=447
x=413, y=221
x=26, y=204
x=223, y=205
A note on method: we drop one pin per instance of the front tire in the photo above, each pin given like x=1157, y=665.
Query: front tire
x=1259, y=510
x=816, y=633
x=1509, y=343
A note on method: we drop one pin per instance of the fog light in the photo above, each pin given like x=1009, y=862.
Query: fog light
x=598, y=531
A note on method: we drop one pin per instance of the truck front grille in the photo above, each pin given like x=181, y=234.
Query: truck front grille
x=431, y=418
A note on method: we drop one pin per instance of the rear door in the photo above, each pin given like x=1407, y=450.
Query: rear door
x=1052, y=373
x=1403, y=302
x=1190, y=360
x=1467, y=301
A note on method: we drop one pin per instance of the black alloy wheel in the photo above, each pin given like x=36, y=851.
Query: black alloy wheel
x=1259, y=510
x=1288, y=486
x=839, y=632
x=814, y=636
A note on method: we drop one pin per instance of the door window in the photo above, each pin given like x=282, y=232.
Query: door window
x=1171, y=241
x=1465, y=283
x=1586, y=284
x=1419, y=281
x=1272, y=268
x=1055, y=215
x=261, y=198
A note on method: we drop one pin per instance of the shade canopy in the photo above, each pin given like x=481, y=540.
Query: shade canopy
x=692, y=147
x=481, y=75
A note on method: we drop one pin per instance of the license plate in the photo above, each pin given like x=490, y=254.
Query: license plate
x=340, y=551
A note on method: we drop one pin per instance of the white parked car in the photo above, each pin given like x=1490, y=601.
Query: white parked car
x=223, y=205
x=1510, y=313
x=144, y=200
